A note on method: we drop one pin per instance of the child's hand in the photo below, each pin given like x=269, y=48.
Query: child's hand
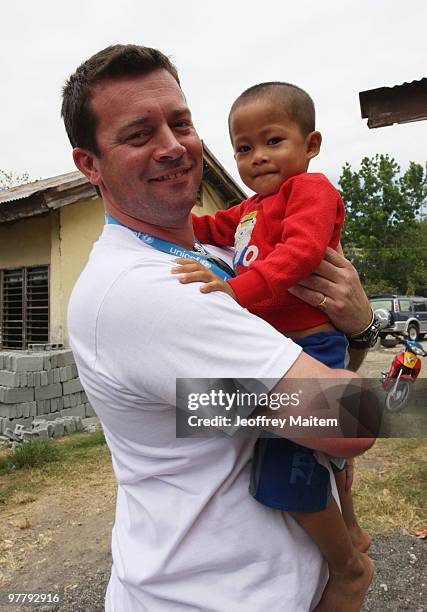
x=193, y=271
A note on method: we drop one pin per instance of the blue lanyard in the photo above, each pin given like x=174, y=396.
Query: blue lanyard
x=215, y=264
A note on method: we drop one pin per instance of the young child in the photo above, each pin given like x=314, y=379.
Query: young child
x=280, y=236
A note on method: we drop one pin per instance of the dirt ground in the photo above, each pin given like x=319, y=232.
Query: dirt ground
x=60, y=543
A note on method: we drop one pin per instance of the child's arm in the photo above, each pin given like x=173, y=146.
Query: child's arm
x=219, y=229
x=314, y=210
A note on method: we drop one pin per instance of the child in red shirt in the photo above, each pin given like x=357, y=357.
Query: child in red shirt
x=280, y=236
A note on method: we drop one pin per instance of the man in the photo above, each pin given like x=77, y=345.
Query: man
x=187, y=534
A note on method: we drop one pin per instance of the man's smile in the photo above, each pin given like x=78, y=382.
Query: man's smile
x=171, y=175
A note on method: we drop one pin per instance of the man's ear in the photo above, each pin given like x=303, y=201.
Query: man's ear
x=314, y=141
x=87, y=163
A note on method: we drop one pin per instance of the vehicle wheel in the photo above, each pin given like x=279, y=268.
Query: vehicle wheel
x=389, y=342
x=412, y=332
x=399, y=396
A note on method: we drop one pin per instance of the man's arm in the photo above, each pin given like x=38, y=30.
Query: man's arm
x=310, y=371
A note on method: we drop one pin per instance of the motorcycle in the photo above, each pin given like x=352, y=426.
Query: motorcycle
x=399, y=381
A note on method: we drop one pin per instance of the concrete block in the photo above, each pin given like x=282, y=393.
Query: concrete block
x=48, y=392
x=90, y=412
x=64, y=358
x=59, y=428
x=74, y=371
x=10, y=433
x=42, y=433
x=29, y=435
x=47, y=365
x=27, y=363
x=83, y=398
x=33, y=409
x=44, y=381
x=14, y=396
x=69, y=425
x=43, y=407
x=79, y=410
x=8, y=411
x=23, y=379
x=10, y=379
x=37, y=379
x=54, y=375
x=66, y=373
x=72, y=386
x=27, y=422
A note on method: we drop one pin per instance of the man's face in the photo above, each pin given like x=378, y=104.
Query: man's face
x=150, y=160
x=268, y=146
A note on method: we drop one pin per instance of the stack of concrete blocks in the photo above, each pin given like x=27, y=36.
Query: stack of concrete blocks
x=41, y=384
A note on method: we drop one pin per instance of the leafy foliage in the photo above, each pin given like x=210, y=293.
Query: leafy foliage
x=383, y=234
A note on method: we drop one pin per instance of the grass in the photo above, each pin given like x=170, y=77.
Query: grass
x=390, y=492
x=40, y=465
x=36, y=453
x=31, y=454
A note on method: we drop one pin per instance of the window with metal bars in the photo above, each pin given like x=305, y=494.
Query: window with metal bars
x=24, y=307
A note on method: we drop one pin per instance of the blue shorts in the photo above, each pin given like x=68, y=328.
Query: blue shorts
x=286, y=475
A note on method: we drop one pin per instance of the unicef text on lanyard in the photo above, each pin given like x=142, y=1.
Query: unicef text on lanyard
x=224, y=272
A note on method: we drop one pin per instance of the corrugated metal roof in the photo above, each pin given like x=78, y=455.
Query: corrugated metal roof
x=71, y=179
x=397, y=104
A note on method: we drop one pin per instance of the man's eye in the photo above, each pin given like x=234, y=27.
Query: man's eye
x=135, y=136
x=183, y=124
x=275, y=140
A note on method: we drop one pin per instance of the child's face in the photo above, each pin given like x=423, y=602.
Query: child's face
x=268, y=147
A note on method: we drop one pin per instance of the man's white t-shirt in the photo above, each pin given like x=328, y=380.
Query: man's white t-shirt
x=187, y=535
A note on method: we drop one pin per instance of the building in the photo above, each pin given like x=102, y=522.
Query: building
x=47, y=229
x=399, y=104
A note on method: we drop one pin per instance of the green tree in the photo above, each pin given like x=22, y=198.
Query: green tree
x=382, y=234
x=10, y=179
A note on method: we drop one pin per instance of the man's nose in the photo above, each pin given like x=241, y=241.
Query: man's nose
x=168, y=146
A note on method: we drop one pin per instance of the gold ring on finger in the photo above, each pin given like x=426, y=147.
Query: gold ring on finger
x=322, y=304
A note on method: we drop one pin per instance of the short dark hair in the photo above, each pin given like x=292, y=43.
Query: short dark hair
x=114, y=62
x=296, y=102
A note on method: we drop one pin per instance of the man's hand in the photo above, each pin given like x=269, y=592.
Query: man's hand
x=193, y=271
x=346, y=303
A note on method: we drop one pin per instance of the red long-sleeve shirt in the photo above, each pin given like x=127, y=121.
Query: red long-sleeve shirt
x=279, y=240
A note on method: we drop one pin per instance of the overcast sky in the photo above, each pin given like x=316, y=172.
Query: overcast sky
x=331, y=48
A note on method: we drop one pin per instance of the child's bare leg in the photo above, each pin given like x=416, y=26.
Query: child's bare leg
x=360, y=538
x=350, y=572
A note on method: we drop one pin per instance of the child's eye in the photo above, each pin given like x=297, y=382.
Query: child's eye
x=242, y=149
x=275, y=140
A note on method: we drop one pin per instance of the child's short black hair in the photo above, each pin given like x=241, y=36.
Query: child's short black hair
x=296, y=102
